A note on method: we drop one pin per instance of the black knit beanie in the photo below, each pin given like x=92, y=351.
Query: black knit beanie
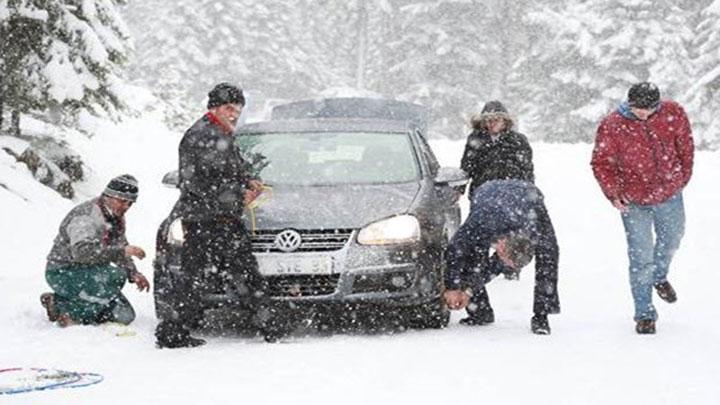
x=225, y=93
x=644, y=95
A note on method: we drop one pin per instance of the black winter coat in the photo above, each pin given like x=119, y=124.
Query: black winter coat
x=213, y=175
x=508, y=157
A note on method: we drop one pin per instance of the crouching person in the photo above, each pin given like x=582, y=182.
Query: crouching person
x=510, y=216
x=91, y=259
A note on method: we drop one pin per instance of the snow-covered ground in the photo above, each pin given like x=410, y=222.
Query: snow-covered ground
x=592, y=357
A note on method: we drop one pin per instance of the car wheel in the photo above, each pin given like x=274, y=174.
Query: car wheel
x=433, y=315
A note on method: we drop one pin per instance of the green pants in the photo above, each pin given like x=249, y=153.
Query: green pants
x=91, y=294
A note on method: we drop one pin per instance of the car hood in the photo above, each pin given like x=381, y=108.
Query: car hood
x=332, y=207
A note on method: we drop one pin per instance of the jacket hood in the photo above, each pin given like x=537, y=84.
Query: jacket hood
x=625, y=111
x=491, y=110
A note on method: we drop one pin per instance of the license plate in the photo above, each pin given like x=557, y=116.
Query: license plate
x=276, y=265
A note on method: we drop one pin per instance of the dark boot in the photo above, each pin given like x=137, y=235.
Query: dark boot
x=645, y=327
x=47, y=300
x=666, y=291
x=484, y=317
x=479, y=310
x=64, y=320
x=172, y=335
x=539, y=325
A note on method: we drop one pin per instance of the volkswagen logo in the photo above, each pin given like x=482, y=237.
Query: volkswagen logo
x=288, y=240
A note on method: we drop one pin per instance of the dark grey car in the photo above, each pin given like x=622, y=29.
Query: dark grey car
x=356, y=221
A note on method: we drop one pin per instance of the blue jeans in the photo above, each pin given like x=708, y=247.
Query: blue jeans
x=650, y=260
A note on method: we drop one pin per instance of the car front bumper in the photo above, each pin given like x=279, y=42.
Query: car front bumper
x=394, y=275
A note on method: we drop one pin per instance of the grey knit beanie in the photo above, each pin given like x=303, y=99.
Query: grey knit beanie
x=124, y=187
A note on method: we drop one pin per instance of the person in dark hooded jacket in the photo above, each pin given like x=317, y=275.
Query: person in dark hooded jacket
x=509, y=216
x=494, y=151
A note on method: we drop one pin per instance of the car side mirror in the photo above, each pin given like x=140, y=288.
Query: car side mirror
x=451, y=176
x=171, y=179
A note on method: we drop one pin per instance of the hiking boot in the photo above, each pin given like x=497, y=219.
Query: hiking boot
x=64, y=320
x=47, y=300
x=539, y=325
x=645, y=327
x=479, y=318
x=666, y=291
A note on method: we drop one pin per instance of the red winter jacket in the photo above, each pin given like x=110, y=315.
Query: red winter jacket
x=646, y=162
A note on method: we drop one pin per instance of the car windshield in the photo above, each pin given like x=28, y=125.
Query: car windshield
x=324, y=158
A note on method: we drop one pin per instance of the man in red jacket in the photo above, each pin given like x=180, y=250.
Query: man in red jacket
x=643, y=159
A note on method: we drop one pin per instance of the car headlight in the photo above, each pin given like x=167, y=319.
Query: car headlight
x=176, y=233
x=399, y=229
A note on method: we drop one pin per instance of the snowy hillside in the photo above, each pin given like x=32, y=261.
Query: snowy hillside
x=592, y=357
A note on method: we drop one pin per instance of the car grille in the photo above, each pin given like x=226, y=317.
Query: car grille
x=302, y=285
x=313, y=240
x=384, y=282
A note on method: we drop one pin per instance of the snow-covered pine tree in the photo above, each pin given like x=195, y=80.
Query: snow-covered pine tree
x=597, y=49
x=89, y=42
x=265, y=47
x=277, y=47
x=510, y=40
x=22, y=35
x=703, y=96
x=174, y=55
x=350, y=38
x=63, y=55
x=440, y=59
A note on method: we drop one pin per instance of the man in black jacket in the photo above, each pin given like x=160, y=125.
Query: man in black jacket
x=215, y=186
x=494, y=151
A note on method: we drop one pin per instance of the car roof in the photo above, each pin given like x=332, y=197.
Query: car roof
x=354, y=107
x=325, y=125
